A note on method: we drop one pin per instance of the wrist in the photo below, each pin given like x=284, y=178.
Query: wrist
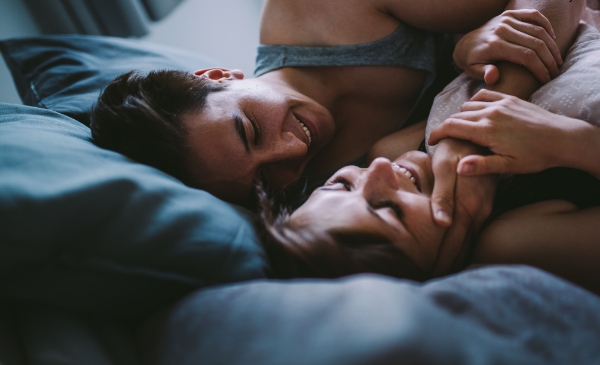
x=583, y=151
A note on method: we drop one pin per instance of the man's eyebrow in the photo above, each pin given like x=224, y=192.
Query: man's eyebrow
x=241, y=131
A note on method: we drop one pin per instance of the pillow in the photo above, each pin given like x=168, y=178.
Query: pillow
x=67, y=73
x=574, y=93
x=88, y=229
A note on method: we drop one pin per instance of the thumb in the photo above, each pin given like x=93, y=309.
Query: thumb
x=491, y=74
x=442, y=197
x=474, y=165
x=476, y=71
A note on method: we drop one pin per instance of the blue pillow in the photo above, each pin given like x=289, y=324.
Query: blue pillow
x=66, y=73
x=88, y=229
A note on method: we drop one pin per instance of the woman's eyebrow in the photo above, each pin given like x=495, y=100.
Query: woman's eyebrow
x=374, y=212
x=241, y=131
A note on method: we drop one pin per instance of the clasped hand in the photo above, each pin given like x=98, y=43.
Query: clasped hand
x=461, y=203
x=524, y=37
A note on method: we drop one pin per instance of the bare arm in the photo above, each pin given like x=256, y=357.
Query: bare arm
x=396, y=144
x=449, y=16
x=552, y=235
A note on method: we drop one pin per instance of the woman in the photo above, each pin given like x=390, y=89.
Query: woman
x=379, y=219
x=218, y=131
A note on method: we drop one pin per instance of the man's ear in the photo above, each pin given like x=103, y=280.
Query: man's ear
x=220, y=74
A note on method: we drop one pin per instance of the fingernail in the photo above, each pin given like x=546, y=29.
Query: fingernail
x=560, y=60
x=443, y=216
x=548, y=78
x=465, y=168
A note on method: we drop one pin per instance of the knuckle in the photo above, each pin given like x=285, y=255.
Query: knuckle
x=528, y=54
x=501, y=28
x=538, y=30
x=539, y=44
x=444, y=199
x=495, y=111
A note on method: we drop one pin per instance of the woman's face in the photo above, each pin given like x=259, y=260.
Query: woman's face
x=392, y=199
x=253, y=129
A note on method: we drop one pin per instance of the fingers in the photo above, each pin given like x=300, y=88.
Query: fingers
x=474, y=165
x=459, y=129
x=451, y=247
x=539, y=33
x=535, y=39
x=488, y=96
x=477, y=71
x=442, y=198
x=532, y=16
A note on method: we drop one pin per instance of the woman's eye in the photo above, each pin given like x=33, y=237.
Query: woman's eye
x=340, y=180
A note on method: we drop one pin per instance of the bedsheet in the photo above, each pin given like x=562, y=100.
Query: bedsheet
x=491, y=315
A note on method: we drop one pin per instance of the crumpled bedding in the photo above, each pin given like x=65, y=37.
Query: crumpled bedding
x=492, y=315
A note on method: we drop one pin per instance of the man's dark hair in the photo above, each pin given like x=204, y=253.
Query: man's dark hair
x=140, y=116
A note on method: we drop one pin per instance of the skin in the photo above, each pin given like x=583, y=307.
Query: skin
x=559, y=19
x=523, y=137
x=278, y=147
x=381, y=200
x=365, y=103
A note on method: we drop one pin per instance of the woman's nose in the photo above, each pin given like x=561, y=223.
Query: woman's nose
x=380, y=178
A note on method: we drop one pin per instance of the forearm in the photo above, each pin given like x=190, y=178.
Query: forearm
x=398, y=143
x=564, y=16
x=581, y=148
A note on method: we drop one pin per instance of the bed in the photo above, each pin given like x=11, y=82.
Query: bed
x=106, y=261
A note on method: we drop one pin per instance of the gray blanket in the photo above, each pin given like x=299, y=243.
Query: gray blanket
x=494, y=315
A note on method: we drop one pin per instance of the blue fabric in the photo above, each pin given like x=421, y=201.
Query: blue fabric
x=86, y=228
x=496, y=315
x=66, y=73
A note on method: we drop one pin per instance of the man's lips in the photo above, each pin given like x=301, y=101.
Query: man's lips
x=412, y=174
x=309, y=124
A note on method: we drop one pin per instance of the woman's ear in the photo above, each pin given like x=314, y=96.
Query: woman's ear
x=219, y=74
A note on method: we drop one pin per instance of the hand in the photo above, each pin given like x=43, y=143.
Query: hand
x=466, y=201
x=523, y=137
x=524, y=37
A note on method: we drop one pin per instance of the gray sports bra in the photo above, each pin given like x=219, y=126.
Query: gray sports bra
x=406, y=46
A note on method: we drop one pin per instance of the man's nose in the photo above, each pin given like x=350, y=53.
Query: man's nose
x=379, y=179
x=283, y=163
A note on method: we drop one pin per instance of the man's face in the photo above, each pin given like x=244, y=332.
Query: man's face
x=253, y=129
x=389, y=200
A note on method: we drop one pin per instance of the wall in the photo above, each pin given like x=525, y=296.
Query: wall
x=224, y=30
x=15, y=21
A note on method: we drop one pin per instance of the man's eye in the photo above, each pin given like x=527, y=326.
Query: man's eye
x=393, y=206
x=256, y=129
x=340, y=180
